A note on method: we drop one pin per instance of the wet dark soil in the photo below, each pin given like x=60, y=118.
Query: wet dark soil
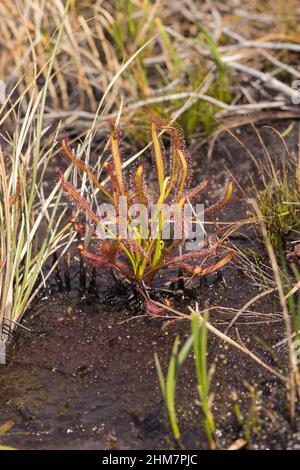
x=84, y=376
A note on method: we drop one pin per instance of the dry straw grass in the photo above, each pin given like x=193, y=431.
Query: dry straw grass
x=223, y=42
x=134, y=60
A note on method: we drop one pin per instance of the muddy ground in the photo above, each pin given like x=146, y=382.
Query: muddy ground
x=84, y=377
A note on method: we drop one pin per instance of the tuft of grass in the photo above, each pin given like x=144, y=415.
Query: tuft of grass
x=279, y=197
x=250, y=423
x=204, y=375
x=277, y=209
x=290, y=277
x=197, y=341
x=293, y=384
x=25, y=210
x=222, y=84
x=279, y=203
x=168, y=384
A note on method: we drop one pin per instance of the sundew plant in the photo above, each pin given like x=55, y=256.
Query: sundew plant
x=132, y=219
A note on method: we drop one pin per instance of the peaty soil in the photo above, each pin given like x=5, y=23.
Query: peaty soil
x=84, y=376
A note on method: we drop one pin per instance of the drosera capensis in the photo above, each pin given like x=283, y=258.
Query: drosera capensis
x=145, y=252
